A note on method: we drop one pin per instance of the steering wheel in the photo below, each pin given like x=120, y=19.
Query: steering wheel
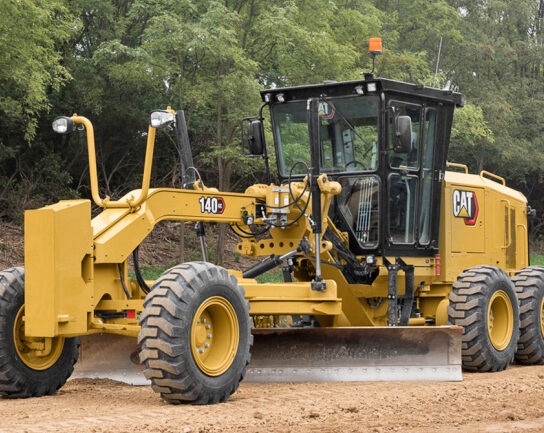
x=354, y=162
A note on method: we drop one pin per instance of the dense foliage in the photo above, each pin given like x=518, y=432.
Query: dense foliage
x=115, y=60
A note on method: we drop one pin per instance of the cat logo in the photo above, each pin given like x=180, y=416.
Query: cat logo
x=465, y=205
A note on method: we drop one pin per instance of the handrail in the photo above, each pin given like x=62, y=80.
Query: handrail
x=105, y=202
x=487, y=173
x=148, y=163
x=80, y=120
x=455, y=164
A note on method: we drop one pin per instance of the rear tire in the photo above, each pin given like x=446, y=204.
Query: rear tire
x=483, y=301
x=195, y=334
x=529, y=284
x=23, y=371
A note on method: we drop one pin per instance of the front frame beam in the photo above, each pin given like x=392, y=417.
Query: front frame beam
x=296, y=298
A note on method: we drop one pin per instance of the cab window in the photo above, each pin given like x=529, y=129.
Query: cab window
x=348, y=133
x=405, y=160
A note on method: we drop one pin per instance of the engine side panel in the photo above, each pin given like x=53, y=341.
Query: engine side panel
x=482, y=223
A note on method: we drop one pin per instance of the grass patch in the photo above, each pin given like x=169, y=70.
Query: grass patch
x=537, y=260
x=149, y=272
x=272, y=276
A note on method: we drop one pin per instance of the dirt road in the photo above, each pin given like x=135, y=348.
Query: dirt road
x=510, y=401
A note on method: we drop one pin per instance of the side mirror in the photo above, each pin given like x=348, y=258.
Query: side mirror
x=403, y=134
x=255, y=138
x=63, y=125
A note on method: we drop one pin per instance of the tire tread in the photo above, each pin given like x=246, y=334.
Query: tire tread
x=165, y=317
x=468, y=308
x=529, y=283
x=13, y=381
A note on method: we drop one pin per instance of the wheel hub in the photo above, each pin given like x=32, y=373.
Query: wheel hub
x=542, y=316
x=500, y=320
x=214, y=336
x=35, y=352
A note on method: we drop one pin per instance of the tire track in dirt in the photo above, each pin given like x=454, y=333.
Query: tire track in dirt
x=509, y=401
x=87, y=422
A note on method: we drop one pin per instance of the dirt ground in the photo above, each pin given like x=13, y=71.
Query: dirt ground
x=510, y=401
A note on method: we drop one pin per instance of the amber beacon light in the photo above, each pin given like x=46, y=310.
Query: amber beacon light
x=375, y=46
x=374, y=49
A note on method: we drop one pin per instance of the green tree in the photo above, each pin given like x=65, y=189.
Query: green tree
x=31, y=35
x=115, y=61
x=470, y=136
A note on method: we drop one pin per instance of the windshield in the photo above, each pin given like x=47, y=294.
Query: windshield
x=349, y=135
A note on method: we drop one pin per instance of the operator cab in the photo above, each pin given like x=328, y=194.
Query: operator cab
x=390, y=173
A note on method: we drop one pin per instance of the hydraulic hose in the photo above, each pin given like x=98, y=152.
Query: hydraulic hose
x=139, y=278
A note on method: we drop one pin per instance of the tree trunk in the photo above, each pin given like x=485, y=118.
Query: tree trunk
x=221, y=172
x=482, y=155
x=222, y=232
x=181, y=244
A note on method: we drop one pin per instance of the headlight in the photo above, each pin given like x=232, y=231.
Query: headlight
x=161, y=118
x=63, y=125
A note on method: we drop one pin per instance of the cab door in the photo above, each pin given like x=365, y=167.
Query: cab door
x=413, y=181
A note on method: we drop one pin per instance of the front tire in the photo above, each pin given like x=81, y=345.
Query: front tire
x=29, y=367
x=483, y=301
x=195, y=334
x=529, y=284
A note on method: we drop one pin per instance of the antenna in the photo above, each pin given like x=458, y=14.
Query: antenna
x=437, y=60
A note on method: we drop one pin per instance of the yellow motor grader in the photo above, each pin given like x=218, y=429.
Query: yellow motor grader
x=394, y=268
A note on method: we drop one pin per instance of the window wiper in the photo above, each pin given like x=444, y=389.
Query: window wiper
x=337, y=110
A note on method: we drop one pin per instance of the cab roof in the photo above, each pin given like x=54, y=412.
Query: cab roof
x=345, y=88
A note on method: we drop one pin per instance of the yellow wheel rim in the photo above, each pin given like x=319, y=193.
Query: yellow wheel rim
x=214, y=336
x=500, y=320
x=542, y=316
x=36, y=353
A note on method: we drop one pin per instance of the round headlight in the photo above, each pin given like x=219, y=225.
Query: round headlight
x=160, y=118
x=63, y=125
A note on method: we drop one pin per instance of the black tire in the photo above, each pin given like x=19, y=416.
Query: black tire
x=529, y=283
x=469, y=305
x=165, y=336
x=17, y=380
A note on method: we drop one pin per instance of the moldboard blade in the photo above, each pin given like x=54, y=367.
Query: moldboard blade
x=356, y=354
x=107, y=356
x=307, y=355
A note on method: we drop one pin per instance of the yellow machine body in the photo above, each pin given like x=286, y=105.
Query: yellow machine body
x=499, y=235
x=409, y=269
x=58, y=255
x=72, y=262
